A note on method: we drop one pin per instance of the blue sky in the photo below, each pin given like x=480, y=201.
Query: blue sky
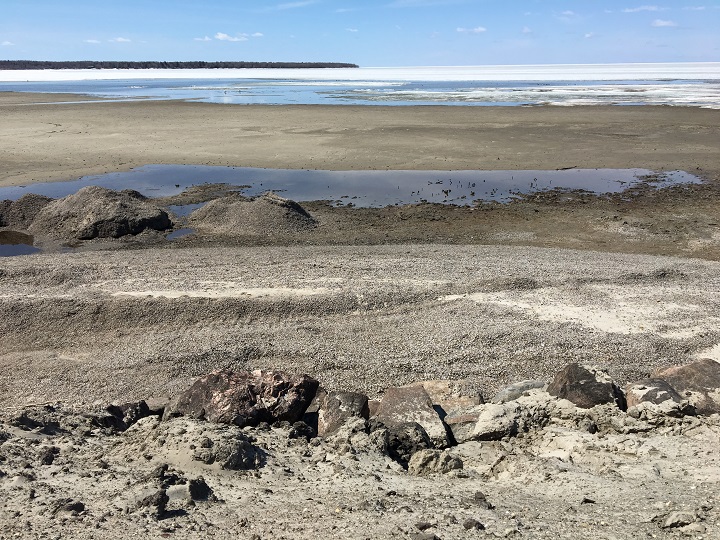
x=369, y=33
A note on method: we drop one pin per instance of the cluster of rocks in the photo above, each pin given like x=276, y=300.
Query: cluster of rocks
x=428, y=431
x=417, y=425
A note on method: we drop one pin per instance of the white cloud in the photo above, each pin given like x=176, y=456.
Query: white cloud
x=206, y=38
x=695, y=8
x=226, y=37
x=294, y=5
x=660, y=23
x=568, y=13
x=643, y=8
x=526, y=30
x=346, y=10
x=93, y=41
x=351, y=29
x=257, y=34
x=7, y=44
x=476, y=30
x=589, y=35
x=119, y=40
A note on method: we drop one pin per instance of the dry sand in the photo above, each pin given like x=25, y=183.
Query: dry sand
x=108, y=324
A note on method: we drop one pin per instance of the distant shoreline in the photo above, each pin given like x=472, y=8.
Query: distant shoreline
x=16, y=65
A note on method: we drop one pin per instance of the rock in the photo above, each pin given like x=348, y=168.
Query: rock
x=400, y=441
x=653, y=391
x=234, y=453
x=96, y=212
x=70, y=506
x=300, y=430
x=245, y=399
x=514, y=391
x=267, y=215
x=489, y=422
x=432, y=461
x=480, y=499
x=586, y=387
x=22, y=212
x=157, y=503
x=199, y=489
x=678, y=519
x=447, y=396
x=48, y=455
x=121, y=417
x=310, y=417
x=698, y=382
x=402, y=405
x=473, y=524
x=337, y=407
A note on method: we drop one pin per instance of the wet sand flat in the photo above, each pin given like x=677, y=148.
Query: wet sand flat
x=43, y=141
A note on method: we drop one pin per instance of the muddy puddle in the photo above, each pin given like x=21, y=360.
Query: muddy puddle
x=362, y=188
x=13, y=243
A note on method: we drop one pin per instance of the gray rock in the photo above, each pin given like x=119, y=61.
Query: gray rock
x=586, y=387
x=678, y=519
x=489, y=422
x=403, y=405
x=337, y=407
x=433, y=461
x=399, y=441
x=698, y=382
x=653, y=391
x=514, y=391
x=245, y=399
x=448, y=396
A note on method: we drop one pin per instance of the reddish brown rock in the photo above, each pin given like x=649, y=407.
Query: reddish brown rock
x=698, y=382
x=337, y=407
x=586, y=387
x=246, y=399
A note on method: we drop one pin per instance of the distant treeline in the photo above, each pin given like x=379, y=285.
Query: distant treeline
x=87, y=64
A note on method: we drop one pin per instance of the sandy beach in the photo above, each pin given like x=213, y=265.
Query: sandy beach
x=363, y=300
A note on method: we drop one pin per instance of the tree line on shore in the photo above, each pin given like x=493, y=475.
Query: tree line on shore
x=90, y=64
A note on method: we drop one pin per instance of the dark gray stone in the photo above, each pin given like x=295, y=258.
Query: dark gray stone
x=586, y=387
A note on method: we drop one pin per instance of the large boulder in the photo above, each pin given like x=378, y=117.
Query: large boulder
x=265, y=216
x=245, y=398
x=448, y=396
x=586, y=387
x=337, y=407
x=96, y=212
x=698, y=382
x=490, y=422
x=400, y=441
x=654, y=391
x=407, y=404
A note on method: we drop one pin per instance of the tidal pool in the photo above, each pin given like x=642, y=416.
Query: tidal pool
x=363, y=188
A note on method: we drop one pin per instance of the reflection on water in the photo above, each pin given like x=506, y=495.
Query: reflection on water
x=361, y=188
x=180, y=233
x=14, y=243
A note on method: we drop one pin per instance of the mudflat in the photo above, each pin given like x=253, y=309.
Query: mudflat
x=44, y=139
